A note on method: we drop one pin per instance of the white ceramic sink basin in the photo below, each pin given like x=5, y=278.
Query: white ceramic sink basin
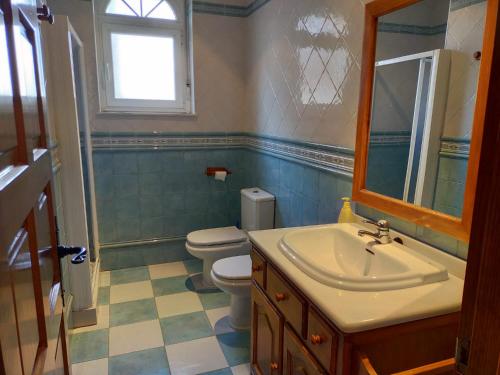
x=335, y=255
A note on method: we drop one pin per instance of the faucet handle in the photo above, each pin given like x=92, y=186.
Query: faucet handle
x=380, y=224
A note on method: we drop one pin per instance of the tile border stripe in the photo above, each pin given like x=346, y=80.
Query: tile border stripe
x=228, y=9
x=321, y=156
x=454, y=147
x=396, y=28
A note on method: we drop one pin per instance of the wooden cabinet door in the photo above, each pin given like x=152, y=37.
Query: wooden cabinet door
x=296, y=358
x=32, y=333
x=267, y=335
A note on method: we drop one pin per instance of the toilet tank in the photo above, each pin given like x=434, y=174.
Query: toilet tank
x=257, y=209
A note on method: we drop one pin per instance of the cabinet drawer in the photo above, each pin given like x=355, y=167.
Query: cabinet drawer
x=289, y=302
x=296, y=358
x=258, y=269
x=322, y=340
x=363, y=366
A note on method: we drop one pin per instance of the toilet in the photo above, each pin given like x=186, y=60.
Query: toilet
x=234, y=276
x=210, y=245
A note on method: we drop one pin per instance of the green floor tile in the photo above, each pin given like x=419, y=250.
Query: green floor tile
x=185, y=327
x=89, y=346
x=236, y=347
x=214, y=300
x=129, y=275
x=146, y=362
x=171, y=285
x=132, y=312
x=103, y=295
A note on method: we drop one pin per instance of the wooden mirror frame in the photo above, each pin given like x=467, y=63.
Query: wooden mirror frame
x=454, y=226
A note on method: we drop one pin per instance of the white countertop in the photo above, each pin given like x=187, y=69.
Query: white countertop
x=354, y=311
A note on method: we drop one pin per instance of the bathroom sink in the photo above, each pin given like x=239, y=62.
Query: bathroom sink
x=335, y=255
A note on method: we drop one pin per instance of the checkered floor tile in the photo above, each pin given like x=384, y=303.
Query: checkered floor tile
x=152, y=320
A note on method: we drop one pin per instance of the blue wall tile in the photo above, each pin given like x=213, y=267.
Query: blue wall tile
x=149, y=162
x=450, y=186
x=166, y=194
x=124, y=163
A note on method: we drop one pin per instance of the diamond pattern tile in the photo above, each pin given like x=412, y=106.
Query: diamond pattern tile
x=294, y=45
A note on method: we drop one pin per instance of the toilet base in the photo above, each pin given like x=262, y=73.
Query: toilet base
x=239, y=315
x=207, y=271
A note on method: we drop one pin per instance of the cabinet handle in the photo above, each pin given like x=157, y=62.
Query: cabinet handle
x=274, y=366
x=257, y=268
x=280, y=297
x=316, y=339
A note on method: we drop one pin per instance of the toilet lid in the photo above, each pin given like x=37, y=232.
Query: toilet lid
x=216, y=236
x=233, y=268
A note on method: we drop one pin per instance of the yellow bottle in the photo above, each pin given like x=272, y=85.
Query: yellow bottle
x=346, y=215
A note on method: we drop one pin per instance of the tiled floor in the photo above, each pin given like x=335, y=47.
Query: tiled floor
x=152, y=321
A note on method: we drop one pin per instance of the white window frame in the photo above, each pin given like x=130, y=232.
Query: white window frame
x=106, y=24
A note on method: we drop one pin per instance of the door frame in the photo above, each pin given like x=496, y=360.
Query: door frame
x=478, y=344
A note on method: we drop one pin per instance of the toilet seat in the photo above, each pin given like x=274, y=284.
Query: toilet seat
x=233, y=268
x=216, y=237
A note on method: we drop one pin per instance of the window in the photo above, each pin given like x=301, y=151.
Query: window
x=142, y=56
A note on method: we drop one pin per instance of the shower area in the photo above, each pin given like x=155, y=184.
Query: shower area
x=74, y=180
x=409, y=103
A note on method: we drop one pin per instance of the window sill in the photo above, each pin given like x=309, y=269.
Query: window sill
x=103, y=114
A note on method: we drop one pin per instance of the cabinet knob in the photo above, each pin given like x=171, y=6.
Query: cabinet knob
x=316, y=339
x=274, y=366
x=257, y=268
x=280, y=297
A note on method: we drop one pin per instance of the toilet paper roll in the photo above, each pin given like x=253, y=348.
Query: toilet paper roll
x=220, y=176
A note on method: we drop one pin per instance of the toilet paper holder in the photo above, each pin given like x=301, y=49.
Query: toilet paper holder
x=211, y=170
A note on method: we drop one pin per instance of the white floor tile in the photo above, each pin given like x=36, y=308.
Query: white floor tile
x=241, y=369
x=160, y=271
x=105, y=278
x=134, y=337
x=219, y=319
x=130, y=292
x=98, y=367
x=179, y=303
x=102, y=320
x=195, y=357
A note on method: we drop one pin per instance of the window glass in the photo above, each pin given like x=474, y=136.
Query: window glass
x=143, y=67
x=120, y=7
x=142, y=8
x=163, y=11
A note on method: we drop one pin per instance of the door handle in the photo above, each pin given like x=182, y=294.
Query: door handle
x=80, y=253
x=44, y=14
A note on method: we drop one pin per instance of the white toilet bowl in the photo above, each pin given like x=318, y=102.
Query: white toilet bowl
x=211, y=245
x=234, y=276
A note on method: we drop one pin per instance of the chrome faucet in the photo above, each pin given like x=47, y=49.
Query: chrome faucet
x=382, y=234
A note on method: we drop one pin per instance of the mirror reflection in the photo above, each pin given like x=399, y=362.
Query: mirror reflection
x=426, y=74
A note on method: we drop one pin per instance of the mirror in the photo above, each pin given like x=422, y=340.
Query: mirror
x=417, y=109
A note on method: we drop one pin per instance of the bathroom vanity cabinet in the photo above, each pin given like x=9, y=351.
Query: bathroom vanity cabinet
x=290, y=335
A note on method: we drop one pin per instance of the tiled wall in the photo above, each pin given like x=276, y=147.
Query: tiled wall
x=305, y=195
x=163, y=194
x=303, y=71
x=450, y=184
x=140, y=197
x=144, y=195
x=464, y=37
